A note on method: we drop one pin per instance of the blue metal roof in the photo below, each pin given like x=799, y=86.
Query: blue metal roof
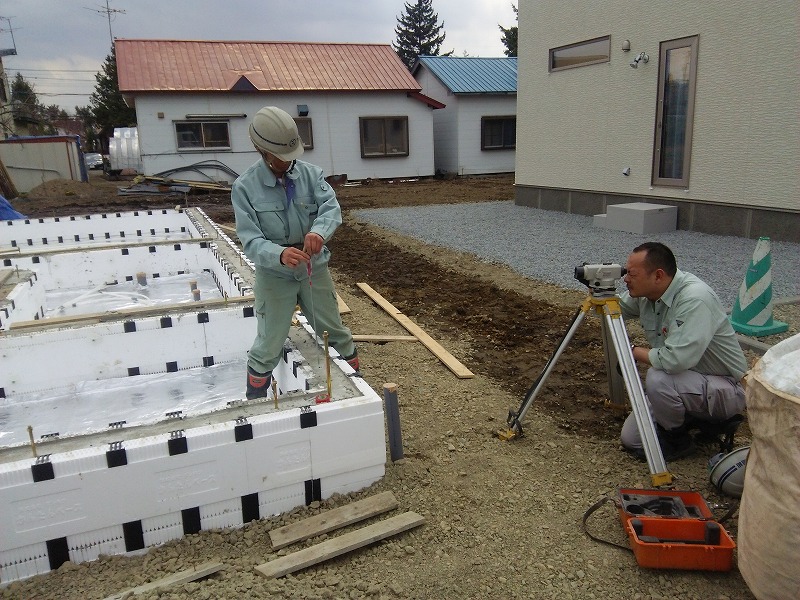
x=473, y=75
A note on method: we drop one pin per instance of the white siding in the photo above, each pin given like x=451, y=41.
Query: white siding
x=579, y=128
x=457, y=128
x=473, y=160
x=335, y=128
x=445, y=129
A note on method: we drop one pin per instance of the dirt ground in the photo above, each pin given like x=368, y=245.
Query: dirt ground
x=503, y=518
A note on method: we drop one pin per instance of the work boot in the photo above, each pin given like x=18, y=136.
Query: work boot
x=717, y=432
x=675, y=443
x=352, y=360
x=258, y=383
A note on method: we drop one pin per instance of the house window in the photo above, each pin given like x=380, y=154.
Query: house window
x=383, y=136
x=200, y=135
x=590, y=52
x=305, y=131
x=498, y=133
x=677, y=75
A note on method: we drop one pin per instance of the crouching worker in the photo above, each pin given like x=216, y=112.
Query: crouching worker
x=285, y=212
x=696, y=363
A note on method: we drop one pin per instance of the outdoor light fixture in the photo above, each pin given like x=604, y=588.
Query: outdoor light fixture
x=302, y=110
x=626, y=46
x=642, y=57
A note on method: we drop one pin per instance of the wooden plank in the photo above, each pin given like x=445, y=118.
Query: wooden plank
x=145, y=311
x=340, y=545
x=203, y=570
x=343, y=308
x=332, y=519
x=228, y=229
x=448, y=359
x=384, y=338
x=99, y=246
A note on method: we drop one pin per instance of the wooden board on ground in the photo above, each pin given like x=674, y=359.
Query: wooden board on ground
x=343, y=308
x=202, y=570
x=332, y=519
x=384, y=338
x=340, y=545
x=448, y=359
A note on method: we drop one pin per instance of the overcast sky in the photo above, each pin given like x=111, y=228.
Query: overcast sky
x=61, y=44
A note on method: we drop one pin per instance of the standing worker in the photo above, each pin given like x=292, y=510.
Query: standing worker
x=696, y=362
x=285, y=212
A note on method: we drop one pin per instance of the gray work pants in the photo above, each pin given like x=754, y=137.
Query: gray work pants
x=276, y=299
x=672, y=398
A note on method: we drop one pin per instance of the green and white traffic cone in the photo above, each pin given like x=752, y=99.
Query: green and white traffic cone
x=752, y=311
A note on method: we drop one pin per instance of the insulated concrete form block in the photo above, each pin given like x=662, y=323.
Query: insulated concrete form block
x=201, y=484
x=24, y=298
x=99, y=229
x=133, y=484
x=118, y=350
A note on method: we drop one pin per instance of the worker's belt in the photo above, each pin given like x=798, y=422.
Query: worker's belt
x=298, y=246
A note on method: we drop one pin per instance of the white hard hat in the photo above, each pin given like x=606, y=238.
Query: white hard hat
x=274, y=130
x=727, y=471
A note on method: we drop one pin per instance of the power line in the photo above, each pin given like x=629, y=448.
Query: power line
x=53, y=70
x=57, y=79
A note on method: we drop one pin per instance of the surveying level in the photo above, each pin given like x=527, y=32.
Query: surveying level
x=604, y=301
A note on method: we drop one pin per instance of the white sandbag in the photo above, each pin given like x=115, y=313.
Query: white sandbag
x=769, y=516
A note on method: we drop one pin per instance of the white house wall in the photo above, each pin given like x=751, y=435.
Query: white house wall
x=579, y=128
x=445, y=130
x=473, y=160
x=335, y=124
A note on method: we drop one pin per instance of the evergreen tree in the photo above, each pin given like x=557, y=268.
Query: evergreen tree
x=510, y=36
x=28, y=109
x=91, y=141
x=418, y=33
x=107, y=105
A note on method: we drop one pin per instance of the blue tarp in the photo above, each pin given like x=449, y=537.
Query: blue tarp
x=7, y=212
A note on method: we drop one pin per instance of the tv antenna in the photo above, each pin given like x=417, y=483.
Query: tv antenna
x=110, y=14
x=8, y=51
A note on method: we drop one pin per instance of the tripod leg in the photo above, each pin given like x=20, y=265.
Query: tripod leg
x=515, y=418
x=641, y=412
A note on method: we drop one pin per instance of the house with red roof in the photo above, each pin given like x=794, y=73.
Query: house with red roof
x=359, y=111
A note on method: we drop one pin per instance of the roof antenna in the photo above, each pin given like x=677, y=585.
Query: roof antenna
x=8, y=51
x=108, y=12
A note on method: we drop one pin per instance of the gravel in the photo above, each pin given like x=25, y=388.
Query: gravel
x=548, y=245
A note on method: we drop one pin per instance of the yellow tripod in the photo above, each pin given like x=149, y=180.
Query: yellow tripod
x=605, y=304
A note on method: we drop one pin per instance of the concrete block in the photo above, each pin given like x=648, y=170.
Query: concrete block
x=641, y=217
x=600, y=220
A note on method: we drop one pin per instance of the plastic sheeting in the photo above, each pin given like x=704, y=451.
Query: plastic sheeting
x=7, y=212
x=89, y=407
x=168, y=290
x=780, y=366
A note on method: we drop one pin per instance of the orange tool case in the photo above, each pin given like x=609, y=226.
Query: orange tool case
x=671, y=529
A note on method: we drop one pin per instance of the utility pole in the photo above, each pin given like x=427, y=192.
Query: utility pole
x=110, y=13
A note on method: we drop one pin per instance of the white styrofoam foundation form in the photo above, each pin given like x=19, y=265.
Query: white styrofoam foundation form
x=137, y=481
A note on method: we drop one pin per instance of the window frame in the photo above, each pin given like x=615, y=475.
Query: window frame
x=308, y=144
x=384, y=120
x=202, y=123
x=503, y=145
x=665, y=47
x=553, y=51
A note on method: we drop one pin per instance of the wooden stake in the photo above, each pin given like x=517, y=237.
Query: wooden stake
x=33, y=444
